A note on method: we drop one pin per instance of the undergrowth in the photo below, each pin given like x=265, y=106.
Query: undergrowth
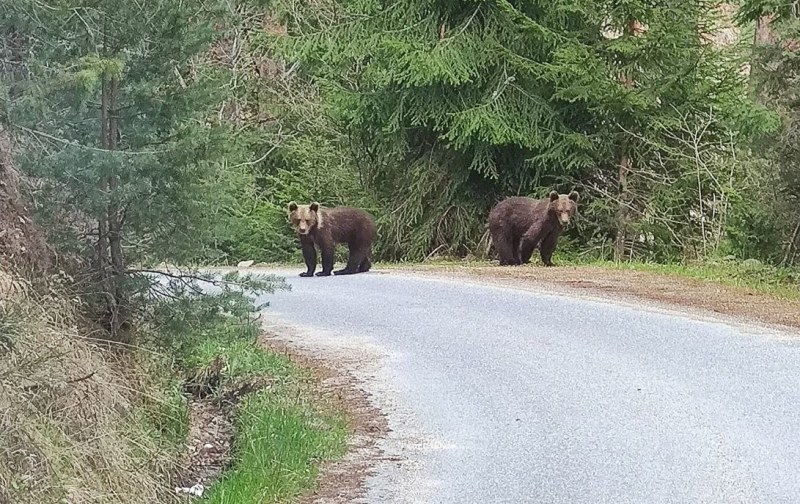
x=84, y=423
x=78, y=422
x=282, y=430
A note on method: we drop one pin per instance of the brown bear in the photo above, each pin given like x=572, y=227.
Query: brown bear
x=326, y=227
x=518, y=225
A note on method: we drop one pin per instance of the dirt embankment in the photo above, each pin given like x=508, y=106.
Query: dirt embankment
x=22, y=244
x=739, y=303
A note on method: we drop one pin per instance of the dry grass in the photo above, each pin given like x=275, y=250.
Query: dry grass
x=73, y=427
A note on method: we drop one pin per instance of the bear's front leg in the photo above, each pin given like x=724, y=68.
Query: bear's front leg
x=547, y=247
x=309, y=255
x=327, y=250
x=529, y=242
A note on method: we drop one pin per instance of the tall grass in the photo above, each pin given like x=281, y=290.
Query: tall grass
x=80, y=423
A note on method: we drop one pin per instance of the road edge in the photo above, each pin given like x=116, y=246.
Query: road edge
x=628, y=300
x=342, y=479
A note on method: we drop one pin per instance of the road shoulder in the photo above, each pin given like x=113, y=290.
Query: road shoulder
x=385, y=442
x=697, y=298
x=342, y=479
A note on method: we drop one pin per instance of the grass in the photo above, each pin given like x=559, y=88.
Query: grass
x=779, y=282
x=282, y=430
x=161, y=411
x=281, y=437
x=82, y=424
x=76, y=424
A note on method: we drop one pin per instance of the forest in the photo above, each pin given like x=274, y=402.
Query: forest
x=179, y=131
x=139, y=134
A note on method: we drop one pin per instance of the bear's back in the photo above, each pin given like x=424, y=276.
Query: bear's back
x=517, y=213
x=348, y=223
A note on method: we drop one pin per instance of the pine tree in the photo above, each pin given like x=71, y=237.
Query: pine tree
x=111, y=113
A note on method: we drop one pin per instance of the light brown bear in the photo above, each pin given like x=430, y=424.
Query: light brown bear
x=518, y=225
x=326, y=227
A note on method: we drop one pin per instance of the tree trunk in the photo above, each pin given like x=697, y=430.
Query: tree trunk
x=634, y=28
x=791, y=247
x=622, y=208
x=763, y=35
x=110, y=253
x=103, y=261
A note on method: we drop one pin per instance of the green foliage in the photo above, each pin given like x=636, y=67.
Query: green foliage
x=753, y=230
x=182, y=311
x=280, y=437
x=170, y=149
x=293, y=152
x=424, y=112
x=451, y=106
x=185, y=329
x=773, y=224
x=195, y=328
x=281, y=431
x=751, y=10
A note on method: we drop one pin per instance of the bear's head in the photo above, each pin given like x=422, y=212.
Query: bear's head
x=305, y=218
x=563, y=206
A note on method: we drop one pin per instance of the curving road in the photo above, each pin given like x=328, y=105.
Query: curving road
x=498, y=395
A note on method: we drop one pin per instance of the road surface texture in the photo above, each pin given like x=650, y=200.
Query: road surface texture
x=496, y=395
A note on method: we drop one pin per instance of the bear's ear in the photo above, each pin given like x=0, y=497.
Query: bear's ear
x=574, y=196
x=292, y=206
x=314, y=206
x=553, y=195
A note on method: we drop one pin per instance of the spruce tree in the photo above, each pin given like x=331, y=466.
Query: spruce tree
x=775, y=77
x=454, y=105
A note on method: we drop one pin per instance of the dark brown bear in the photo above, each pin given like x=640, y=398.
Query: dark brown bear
x=518, y=225
x=326, y=227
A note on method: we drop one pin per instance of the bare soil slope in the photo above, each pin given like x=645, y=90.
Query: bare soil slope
x=22, y=243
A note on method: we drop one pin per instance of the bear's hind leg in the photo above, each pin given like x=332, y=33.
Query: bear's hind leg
x=526, y=249
x=365, y=265
x=503, y=245
x=354, y=261
x=515, y=250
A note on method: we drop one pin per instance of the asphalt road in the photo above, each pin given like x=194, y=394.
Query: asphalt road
x=535, y=397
